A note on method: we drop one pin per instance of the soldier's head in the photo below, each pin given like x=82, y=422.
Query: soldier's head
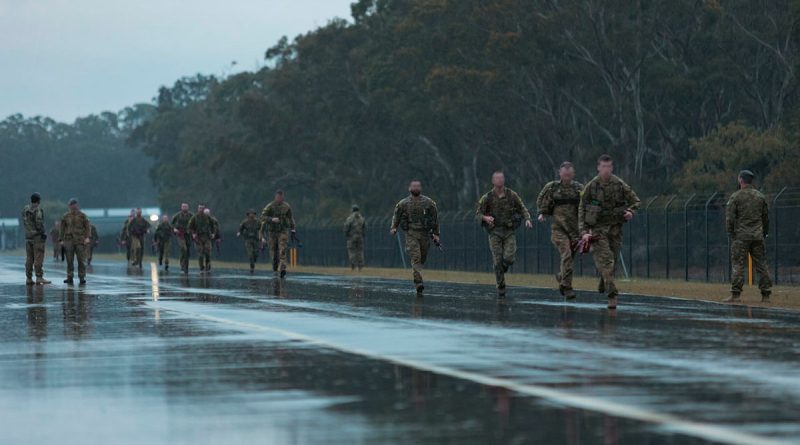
x=138, y=213
x=566, y=171
x=73, y=205
x=499, y=179
x=746, y=178
x=184, y=207
x=200, y=208
x=355, y=208
x=279, y=196
x=605, y=166
x=207, y=211
x=251, y=214
x=415, y=187
x=36, y=198
x=132, y=213
x=165, y=218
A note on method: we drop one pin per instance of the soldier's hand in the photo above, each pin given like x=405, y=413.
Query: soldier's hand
x=263, y=241
x=175, y=230
x=237, y=234
x=276, y=220
x=587, y=237
x=528, y=224
x=435, y=238
x=540, y=218
x=392, y=232
x=488, y=220
x=87, y=241
x=628, y=215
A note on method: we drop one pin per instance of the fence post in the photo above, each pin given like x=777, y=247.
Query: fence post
x=686, y=238
x=647, y=232
x=666, y=230
x=775, y=235
x=708, y=257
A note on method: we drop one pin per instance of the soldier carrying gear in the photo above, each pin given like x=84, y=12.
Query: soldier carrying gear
x=501, y=211
x=747, y=222
x=560, y=199
x=75, y=234
x=35, y=239
x=607, y=202
x=418, y=216
x=180, y=226
x=138, y=228
x=163, y=240
x=124, y=236
x=355, y=228
x=203, y=232
x=276, y=223
x=249, y=230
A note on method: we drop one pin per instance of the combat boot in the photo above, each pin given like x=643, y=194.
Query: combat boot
x=420, y=288
x=283, y=273
x=29, y=282
x=735, y=297
x=765, y=297
x=568, y=293
x=601, y=287
x=501, y=292
x=69, y=281
x=612, y=300
x=40, y=281
x=82, y=282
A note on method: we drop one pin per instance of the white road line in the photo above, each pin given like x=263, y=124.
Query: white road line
x=672, y=423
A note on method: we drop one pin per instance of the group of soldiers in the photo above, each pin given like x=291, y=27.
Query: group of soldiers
x=584, y=218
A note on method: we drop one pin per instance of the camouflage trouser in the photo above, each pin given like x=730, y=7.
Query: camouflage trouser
x=739, y=251
x=278, y=243
x=503, y=244
x=89, y=252
x=34, y=257
x=56, y=248
x=417, y=244
x=183, y=243
x=605, y=252
x=355, y=251
x=204, y=252
x=252, y=248
x=163, y=251
x=563, y=243
x=137, y=250
x=75, y=249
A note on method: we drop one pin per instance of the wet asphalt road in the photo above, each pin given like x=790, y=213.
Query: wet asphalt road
x=238, y=359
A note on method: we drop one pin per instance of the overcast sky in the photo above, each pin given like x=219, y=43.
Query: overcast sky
x=69, y=58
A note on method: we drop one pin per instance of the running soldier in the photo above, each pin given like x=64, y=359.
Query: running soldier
x=138, y=228
x=75, y=235
x=355, y=228
x=180, y=225
x=163, y=241
x=35, y=239
x=249, y=230
x=202, y=228
x=418, y=216
x=124, y=237
x=276, y=224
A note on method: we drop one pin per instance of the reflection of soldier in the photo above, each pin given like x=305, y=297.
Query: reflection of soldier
x=747, y=221
x=354, y=230
x=180, y=225
x=138, y=228
x=76, y=314
x=93, y=242
x=249, y=230
x=418, y=216
x=57, y=249
x=37, y=313
x=35, y=239
x=606, y=203
x=501, y=211
x=276, y=222
x=163, y=240
x=560, y=199
x=75, y=236
x=202, y=229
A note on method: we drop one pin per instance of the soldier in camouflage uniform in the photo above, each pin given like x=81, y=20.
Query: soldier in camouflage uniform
x=418, y=216
x=163, y=240
x=138, y=228
x=95, y=240
x=560, y=199
x=501, y=211
x=355, y=227
x=747, y=221
x=180, y=225
x=75, y=234
x=250, y=230
x=607, y=202
x=276, y=222
x=58, y=251
x=35, y=239
x=202, y=228
x=124, y=237
x=215, y=227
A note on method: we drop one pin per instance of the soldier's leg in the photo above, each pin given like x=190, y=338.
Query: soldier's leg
x=38, y=259
x=283, y=244
x=166, y=249
x=414, y=251
x=273, y=250
x=207, y=253
x=80, y=254
x=509, y=251
x=359, y=252
x=183, y=243
x=739, y=251
x=351, y=252
x=89, y=253
x=496, y=248
x=29, y=247
x=604, y=261
x=56, y=248
x=69, y=251
x=759, y=254
x=200, y=255
x=562, y=242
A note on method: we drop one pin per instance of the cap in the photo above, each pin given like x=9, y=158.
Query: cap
x=355, y=208
x=72, y=201
x=746, y=174
x=36, y=197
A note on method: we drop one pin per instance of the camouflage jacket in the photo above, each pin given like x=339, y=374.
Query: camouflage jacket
x=281, y=211
x=355, y=225
x=180, y=221
x=138, y=227
x=250, y=229
x=93, y=230
x=33, y=220
x=75, y=227
x=508, y=211
x=561, y=201
x=202, y=226
x=603, y=204
x=163, y=232
x=123, y=234
x=418, y=214
x=747, y=215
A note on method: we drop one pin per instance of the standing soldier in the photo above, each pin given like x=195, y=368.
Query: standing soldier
x=57, y=249
x=418, y=216
x=607, y=202
x=75, y=235
x=747, y=221
x=163, y=240
x=35, y=239
x=202, y=228
x=277, y=219
x=355, y=227
x=501, y=211
x=560, y=199
x=250, y=230
x=94, y=241
x=124, y=237
x=138, y=227
x=180, y=225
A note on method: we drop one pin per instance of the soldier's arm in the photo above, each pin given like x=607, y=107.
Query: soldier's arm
x=544, y=195
x=174, y=219
x=40, y=222
x=631, y=198
x=434, y=219
x=61, y=229
x=582, y=229
x=398, y=211
x=192, y=226
x=265, y=214
x=765, y=216
x=87, y=229
x=290, y=218
x=526, y=215
x=480, y=209
x=730, y=216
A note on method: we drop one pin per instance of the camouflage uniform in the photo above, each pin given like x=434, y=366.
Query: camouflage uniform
x=57, y=249
x=137, y=229
x=163, y=238
x=75, y=229
x=93, y=240
x=508, y=212
x=202, y=228
x=250, y=230
x=354, y=230
x=747, y=222
x=561, y=201
x=35, y=238
x=601, y=214
x=278, y=237
x=125, y=238
x=419, y=218
x=180, y=222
